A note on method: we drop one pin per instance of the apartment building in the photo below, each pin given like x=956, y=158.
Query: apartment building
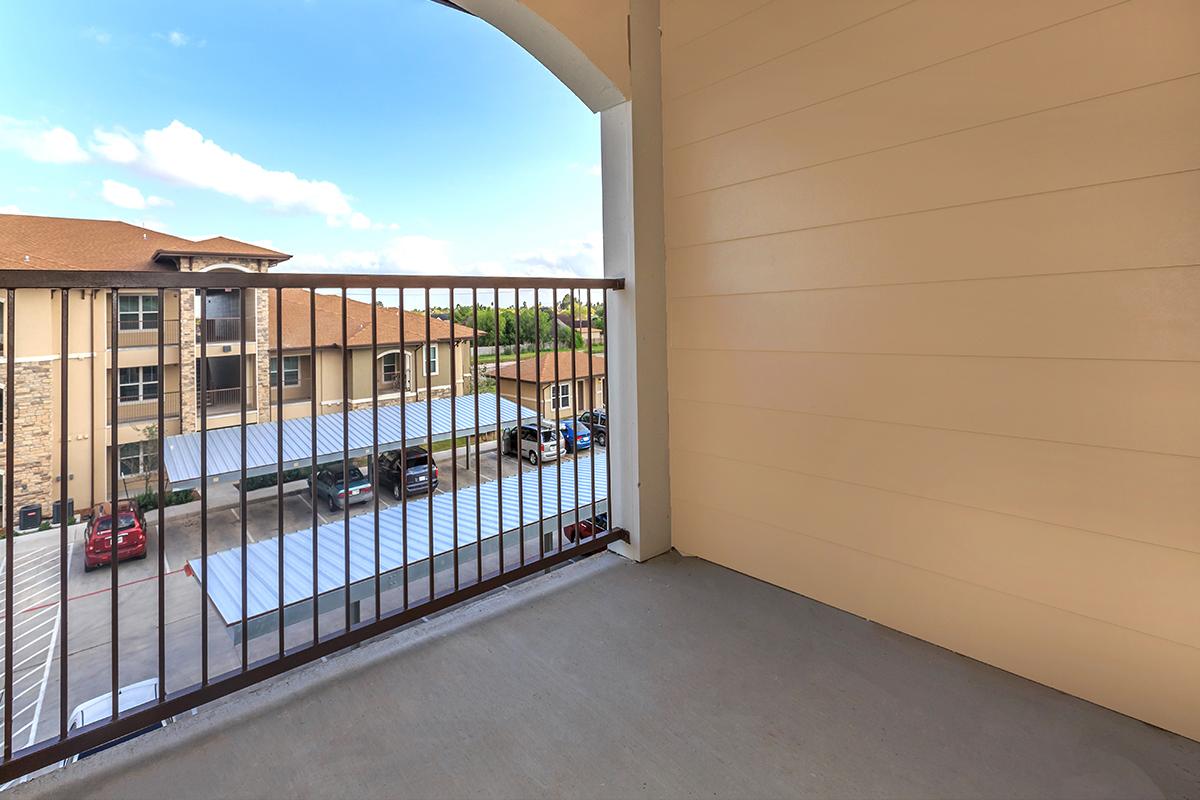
x=555, y=383
x=212, y=316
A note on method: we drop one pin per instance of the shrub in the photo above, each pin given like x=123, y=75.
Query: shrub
x=149, y=500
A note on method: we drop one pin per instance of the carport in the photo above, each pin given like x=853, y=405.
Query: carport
x=407, y=425
x=578, y=487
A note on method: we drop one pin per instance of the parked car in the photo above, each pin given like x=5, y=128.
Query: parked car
x=536, y=444
x=330, y=487
x=97, y=536
x=597, y=422
x=576, y=437
x=409, y=471
x=586, y=528
x=100, y=708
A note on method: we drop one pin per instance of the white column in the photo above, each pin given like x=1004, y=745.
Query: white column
x=634, y=248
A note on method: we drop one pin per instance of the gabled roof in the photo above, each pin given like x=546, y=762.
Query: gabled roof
x=28, y=242
x=296, y=308
x=546, y=371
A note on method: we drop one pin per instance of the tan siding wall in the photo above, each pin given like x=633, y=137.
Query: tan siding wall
x=933, y=273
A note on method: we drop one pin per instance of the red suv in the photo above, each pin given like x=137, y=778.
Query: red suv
x=131, y=534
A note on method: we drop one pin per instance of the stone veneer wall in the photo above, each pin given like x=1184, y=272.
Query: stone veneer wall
x=188, y=350
x=33, y=437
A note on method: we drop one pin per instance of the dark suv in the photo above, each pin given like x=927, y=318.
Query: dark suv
x=597, y=422
x=419, y=473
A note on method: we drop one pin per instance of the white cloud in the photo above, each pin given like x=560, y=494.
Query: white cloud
x=97, y=35
x=40, y=142
x=11, y=209
x=174, y=38
x=182, y=155
x=126, y=196
x=424, y=255
x=594, y=170
x=113, y=146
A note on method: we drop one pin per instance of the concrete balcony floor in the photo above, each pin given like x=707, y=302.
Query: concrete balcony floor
x=674, y=678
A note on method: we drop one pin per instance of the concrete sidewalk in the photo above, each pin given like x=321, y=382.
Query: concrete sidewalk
x=674, y=678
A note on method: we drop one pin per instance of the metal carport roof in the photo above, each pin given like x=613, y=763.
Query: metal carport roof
x=262, y=604
x=181, y=456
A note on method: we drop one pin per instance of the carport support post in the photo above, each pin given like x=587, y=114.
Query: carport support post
x=635, y=319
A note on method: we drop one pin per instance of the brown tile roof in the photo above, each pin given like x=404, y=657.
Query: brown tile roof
x=358, y=323
x=222, y=246
x=28, y=242
x=509, y=370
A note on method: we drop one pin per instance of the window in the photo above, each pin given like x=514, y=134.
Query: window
x=291, y=371
x=560, y=396
x=138, y=458
x=391, y=367
x=137, y=383
x=138, y=312
x=433, y=360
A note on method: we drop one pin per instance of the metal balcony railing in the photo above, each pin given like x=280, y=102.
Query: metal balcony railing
x=221, y=329
x=147, y=408
x=147, y=337
x=445, y=533
x=224, y=401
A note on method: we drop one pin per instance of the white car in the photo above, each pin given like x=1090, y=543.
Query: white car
x=536, y=444
x=100, y=708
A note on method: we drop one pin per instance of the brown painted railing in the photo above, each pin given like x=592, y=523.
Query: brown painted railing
x=220, y=329
x=144, y=409
x=213, y=667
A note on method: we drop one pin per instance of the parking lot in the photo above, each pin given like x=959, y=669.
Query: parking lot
x=38, y=623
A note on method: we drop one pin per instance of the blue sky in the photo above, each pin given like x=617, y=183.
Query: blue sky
x=393, y=135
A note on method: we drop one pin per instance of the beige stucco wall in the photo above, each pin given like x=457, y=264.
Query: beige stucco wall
x=934, y=263
x=529, y=395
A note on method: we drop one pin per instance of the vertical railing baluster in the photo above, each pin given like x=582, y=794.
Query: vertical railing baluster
x=312, y=476
x=279, y=455
x=162, y=524
x=63, y=478
x=574, y=395
x=592, y=410
x=243, y=396
x=608, y=426
x=346, y=462
x=559, y=441
x=429, y=440
x=475, y=390
x=499, y=435
x=519, y=448
x=540, y=408
x=403, y=478
x=453, y=442
x=10, y=531
x=114, y=530
x=203, y=486
x=375, y=433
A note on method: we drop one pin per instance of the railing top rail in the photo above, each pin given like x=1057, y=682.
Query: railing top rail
x=103, y=279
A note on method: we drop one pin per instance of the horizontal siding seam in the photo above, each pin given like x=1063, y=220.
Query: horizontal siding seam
x=898, y=76
x=725, y=24
x=936, y=136
x=933, y=281
x=934, y=209
x=926, y=570
x=787, y=53
x=919, y=426
x=898, y=493
x=671, y=347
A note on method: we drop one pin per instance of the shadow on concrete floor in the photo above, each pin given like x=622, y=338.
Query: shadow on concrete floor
x=674, y=678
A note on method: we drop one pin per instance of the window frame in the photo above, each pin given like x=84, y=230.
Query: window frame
x=273, y=372
x=558, y=393
x=142, y=462
x=143, y=318
x=140, y=383
x=433, y=364
x=396, y=366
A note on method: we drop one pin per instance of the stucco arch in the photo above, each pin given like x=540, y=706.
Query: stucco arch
x=582, y=43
